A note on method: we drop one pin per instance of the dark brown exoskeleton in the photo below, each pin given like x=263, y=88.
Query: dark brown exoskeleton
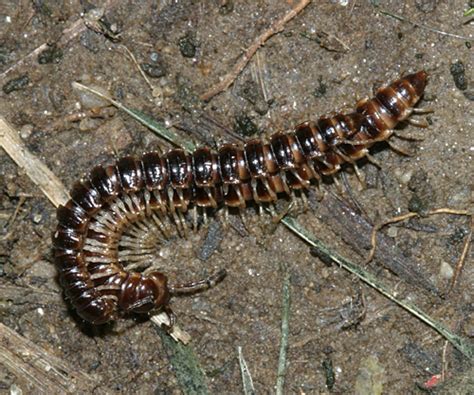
x=94, y=253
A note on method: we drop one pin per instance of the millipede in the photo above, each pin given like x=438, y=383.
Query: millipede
x=102, y=237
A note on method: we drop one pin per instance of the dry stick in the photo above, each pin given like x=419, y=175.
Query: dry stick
x=67, y=35
x=38, y=172
x=285, y=318
x=275, y=28
x=462, y=259
x=40, y=369
x=247, y=382
x=134, y=60
x=55, y=191
x=376, y=229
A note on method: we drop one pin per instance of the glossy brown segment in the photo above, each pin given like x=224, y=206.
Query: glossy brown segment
x=204, y=166
x=106, y=182
x=155, y=171
x=130, y=172
x=254, y=158
x=156, y=185
x=229, y=164
x=282, y=152
x=179, y=169
x=86, y=196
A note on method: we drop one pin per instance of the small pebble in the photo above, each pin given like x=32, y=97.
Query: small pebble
x=154, y=56
x=445, y=270
x=26, y=131
x=392, y=231
x=458, y=73
x=154, y=70
x=37, y=217
x=187, y=46
x=404, y=177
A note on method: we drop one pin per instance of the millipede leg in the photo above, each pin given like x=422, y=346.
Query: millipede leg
x=418, y=123
x=277, y=217
x=195, y=219
x=408, y=138
x=198, y=286
x=204, y=217
x=398, y=149
x=183, y=223
x=417, y=110
x=372, y=160
x=226, y=217
x=304, y=198
x=338, y=185
x=159, y=222
x=178, y=224
x=360, y=175
x=253, y=185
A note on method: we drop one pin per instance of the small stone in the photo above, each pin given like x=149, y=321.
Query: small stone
x=154, y=57
x=445, y=270
x=154, y=70
x=405, y=177
x=26, y=131
x=392, y=231
x=187, y=46
x=457, y=70
x=37, y=217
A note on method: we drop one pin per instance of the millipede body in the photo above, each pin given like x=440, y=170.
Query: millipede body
x=103, y=232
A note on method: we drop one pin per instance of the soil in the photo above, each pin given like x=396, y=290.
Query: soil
x=326, y=59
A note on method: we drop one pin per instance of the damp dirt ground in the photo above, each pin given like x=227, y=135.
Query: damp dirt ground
x=344, y=337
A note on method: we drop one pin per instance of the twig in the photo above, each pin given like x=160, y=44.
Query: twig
x=462, y=259
x=421, y=26
x=285, y=314
x=275, y=28
x=134, y=60
x=247, y=381
x=444, y=364
x=376, y=229
x=176, y=332
x=12, y=219
x=35, y=169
